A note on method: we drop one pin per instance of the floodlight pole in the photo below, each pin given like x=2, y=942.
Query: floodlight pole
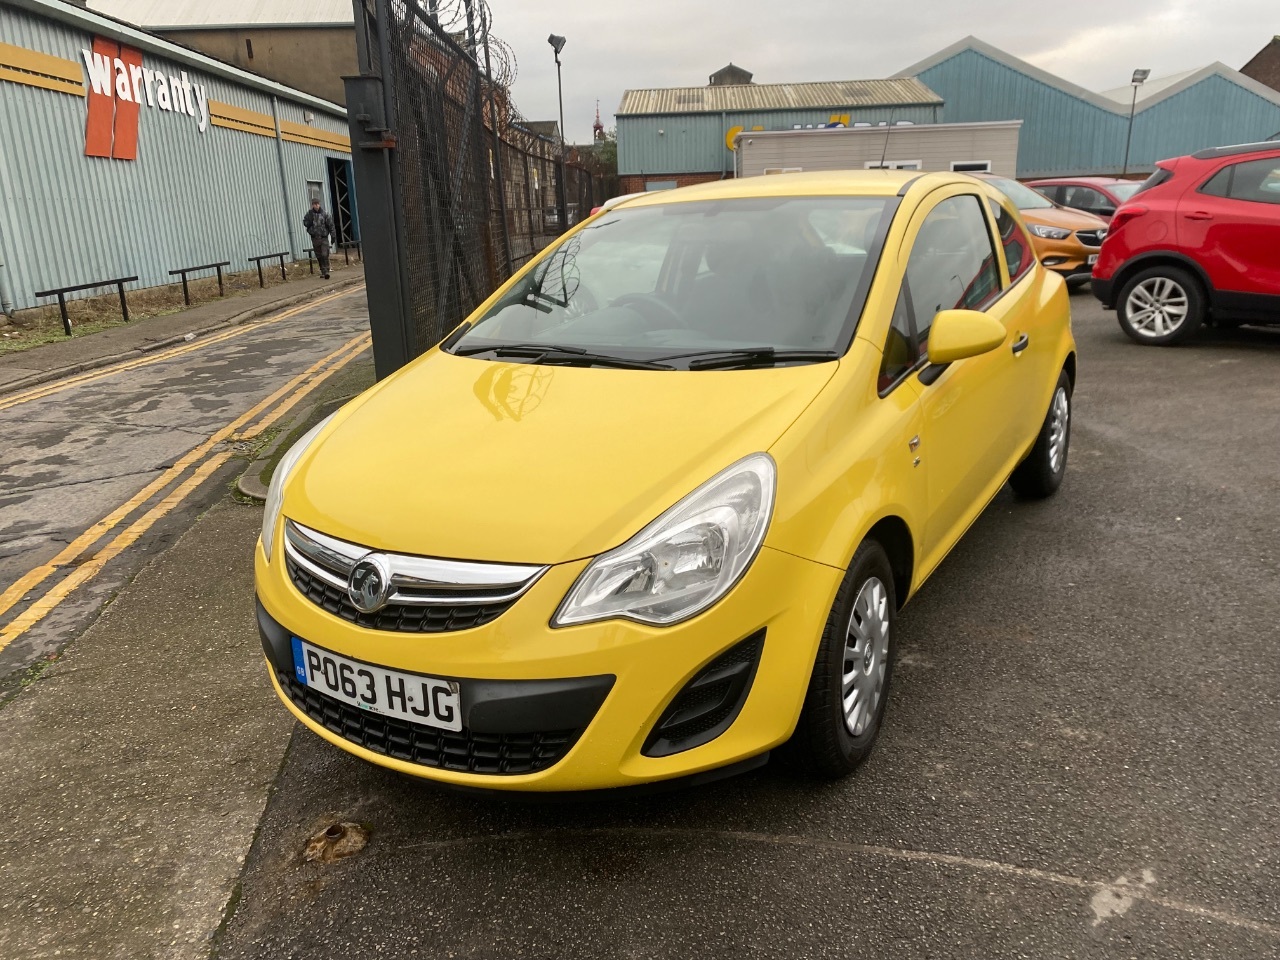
x=562, y=193
x=1139, y=77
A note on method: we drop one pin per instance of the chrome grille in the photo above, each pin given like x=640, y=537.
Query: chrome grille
x=427, y=595
x=1091, y=238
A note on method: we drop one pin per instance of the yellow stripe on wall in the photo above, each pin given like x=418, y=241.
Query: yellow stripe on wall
x=313, y=142
x=34, y=69
x=217, y=121
x=309, y=133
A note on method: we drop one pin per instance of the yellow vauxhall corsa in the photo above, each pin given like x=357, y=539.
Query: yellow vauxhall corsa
x=652, y=512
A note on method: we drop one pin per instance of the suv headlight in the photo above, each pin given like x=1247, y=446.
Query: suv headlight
x=275, y=492
x=684, y=561
x=1048, y=233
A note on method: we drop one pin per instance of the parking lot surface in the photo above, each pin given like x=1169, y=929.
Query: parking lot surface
x=1080, y=757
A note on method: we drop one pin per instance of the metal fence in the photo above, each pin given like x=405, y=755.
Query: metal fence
x=455, y=190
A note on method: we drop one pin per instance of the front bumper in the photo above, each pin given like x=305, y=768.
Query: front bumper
x=601, y=686
x=1068, y=257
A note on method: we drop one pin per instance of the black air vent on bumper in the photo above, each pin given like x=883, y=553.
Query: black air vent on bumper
x=466, y=751
x=709, y=703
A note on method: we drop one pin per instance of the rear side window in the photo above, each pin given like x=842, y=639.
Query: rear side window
x=1014, y=242
x=1160, y=176
x=1257, y=181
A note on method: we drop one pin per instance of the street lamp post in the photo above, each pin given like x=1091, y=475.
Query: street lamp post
x=1139, y=78
x=557, y=44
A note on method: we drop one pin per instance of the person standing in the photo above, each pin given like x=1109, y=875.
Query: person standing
x=320, y=226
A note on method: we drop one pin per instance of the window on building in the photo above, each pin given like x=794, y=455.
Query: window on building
x=893, y=165
x=970, y=166
x=315, y=191
x=1014, y=242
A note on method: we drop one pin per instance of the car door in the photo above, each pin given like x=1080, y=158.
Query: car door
x=971, y=421
x=1232, y=222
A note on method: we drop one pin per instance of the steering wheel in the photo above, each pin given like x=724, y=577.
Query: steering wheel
x=652, y=307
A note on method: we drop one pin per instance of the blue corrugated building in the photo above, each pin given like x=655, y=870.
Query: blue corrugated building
x=123, y=154
x=1070, y=130
x=677, y=136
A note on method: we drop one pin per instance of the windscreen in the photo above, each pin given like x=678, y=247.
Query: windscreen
x=1023, y=197
x=648, y=283
x=1123, y=191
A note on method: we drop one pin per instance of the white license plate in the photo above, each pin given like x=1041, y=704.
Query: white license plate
x=406, y=696
x=1093, y=258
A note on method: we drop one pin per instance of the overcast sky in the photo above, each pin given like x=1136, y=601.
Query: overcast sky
x=614, y=46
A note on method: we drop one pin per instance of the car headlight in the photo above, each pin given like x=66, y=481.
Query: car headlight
x=275, y=492
x=1049, y=233
x=685, y=560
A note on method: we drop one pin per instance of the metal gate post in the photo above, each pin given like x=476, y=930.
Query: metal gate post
x=370, y=113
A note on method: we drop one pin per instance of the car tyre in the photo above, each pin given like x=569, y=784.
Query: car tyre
x=1161, y=306
x=855, y=660
x=1041, y=473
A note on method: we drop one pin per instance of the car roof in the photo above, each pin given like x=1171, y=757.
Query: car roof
x=1100, y=181
x=1230, y=151
x=864, y=183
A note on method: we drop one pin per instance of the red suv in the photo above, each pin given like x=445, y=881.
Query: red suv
x=1200, y=239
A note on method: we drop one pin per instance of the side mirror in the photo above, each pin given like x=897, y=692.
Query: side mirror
x=957, y=334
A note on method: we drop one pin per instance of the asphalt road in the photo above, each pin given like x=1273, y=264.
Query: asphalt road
x=76, y=451
x=1081, y=756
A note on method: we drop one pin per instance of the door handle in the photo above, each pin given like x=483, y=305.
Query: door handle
x=1198, y=215
x=1021, y=344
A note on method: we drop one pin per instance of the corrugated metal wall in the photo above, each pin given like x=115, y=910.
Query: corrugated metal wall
x=189, y=198
x=694, y=143
x=1212, y=113
x=1063, y=134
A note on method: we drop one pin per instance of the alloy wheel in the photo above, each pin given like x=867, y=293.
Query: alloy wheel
x=1059, y=420
x=1157, y=307
x=866, y=655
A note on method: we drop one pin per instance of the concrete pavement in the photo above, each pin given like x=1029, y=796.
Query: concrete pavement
x=1080, y=756
x=1079, y=760
x=26, y=368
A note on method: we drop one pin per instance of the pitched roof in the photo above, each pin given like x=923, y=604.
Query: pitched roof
x=1113, y=101
x=907, y=91
x=157, y=14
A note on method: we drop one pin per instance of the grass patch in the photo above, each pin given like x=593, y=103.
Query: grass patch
x=41, y=325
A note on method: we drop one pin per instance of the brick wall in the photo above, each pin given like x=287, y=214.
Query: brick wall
x=1265, y=67
x=635, y=183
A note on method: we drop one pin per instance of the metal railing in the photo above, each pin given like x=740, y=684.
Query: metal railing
x=262, y=281
x=186, y=293
x=61, y=294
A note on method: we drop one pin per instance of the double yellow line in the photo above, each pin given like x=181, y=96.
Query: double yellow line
x=46, y=389
x=206, y=459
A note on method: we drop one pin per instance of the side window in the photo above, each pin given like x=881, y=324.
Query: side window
x=1256, y=180
x=952, y=264
x=1014, y=243
x=900, y=350
x=1218, y=183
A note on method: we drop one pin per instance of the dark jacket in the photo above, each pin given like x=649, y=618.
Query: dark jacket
x=319, y=225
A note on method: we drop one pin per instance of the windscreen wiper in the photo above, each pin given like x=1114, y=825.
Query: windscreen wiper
x=562, y=356
x=750, y=357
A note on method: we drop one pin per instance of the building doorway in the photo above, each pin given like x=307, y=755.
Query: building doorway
x=343, y=199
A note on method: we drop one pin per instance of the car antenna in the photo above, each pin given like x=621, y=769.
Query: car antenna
x=885, y=152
